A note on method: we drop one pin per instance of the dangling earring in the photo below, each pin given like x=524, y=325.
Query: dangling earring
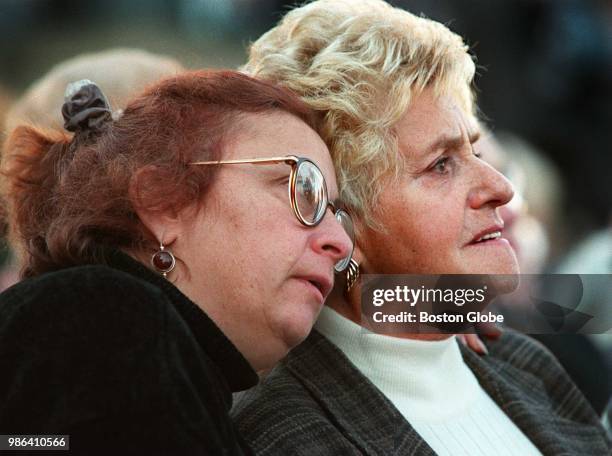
x=352, y=274
x=163, y=260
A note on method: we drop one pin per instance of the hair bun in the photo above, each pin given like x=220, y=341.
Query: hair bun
x=85, y=107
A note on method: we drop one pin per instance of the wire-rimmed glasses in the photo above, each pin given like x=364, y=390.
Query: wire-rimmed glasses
x=307, y=194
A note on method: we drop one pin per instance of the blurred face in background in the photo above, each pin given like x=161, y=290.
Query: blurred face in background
x=525, y=232
x=442, y=215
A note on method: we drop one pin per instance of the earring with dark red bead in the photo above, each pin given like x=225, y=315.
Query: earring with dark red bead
x=163, y=261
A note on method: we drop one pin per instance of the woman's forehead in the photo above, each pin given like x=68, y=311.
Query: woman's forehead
x=275, y=131
x=279, y=134
x=432, y=123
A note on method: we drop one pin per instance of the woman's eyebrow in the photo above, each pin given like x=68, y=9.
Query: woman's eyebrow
x=451, y=142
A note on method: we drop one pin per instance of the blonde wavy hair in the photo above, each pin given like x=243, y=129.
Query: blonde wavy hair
x=358, y=64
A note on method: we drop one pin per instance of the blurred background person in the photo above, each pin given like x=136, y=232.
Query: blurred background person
x=6, y=100
x=531, y=220
x=121, y=73
x=592, y=259
x=8, y=273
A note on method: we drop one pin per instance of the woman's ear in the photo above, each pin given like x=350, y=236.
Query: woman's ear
x=165, y=224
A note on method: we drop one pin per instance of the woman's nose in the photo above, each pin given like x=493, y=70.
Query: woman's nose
x=490, y=188
x=331, y=239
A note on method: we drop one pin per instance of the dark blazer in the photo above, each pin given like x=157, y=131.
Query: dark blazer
x=317, y=403
x=119, y=359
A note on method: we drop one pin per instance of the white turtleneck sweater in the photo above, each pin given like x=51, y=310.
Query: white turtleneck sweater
x=432, y=387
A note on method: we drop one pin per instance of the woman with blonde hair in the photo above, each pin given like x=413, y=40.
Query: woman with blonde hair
x=392, y=92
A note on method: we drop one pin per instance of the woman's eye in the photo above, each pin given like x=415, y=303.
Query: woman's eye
x=441, y=165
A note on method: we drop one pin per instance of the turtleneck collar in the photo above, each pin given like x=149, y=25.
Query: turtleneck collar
x=429, y=375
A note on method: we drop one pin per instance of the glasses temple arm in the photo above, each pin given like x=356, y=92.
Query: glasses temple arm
x=255, y=161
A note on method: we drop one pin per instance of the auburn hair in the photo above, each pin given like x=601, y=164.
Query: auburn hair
x=68, y=199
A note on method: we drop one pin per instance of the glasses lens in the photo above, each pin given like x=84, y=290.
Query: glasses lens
x=347, y=223
x=310, y=192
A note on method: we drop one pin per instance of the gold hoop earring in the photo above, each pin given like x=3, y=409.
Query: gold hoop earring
x=163, y=260
x=352, y=274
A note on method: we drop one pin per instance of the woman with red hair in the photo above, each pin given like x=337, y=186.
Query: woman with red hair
x=164, y=262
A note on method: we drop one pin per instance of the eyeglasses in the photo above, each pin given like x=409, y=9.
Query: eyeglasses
x=307, y=194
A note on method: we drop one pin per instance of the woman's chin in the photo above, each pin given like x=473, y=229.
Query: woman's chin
x=296, y=327
x=491, y=259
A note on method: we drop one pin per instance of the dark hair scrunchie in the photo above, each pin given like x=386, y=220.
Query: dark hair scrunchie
x=85, y=107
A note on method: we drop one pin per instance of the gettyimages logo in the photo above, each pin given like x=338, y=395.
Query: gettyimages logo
x=530, y=303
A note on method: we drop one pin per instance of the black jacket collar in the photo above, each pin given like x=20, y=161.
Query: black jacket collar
x=234, y=367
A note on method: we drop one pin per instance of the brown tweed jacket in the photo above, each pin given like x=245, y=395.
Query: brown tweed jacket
x=317, y=403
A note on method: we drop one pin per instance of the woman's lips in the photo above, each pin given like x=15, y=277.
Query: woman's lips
x=320, y=286
x=495, y=242
x=490, y=233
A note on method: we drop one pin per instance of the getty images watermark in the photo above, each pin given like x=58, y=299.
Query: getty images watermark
x=530, y=303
